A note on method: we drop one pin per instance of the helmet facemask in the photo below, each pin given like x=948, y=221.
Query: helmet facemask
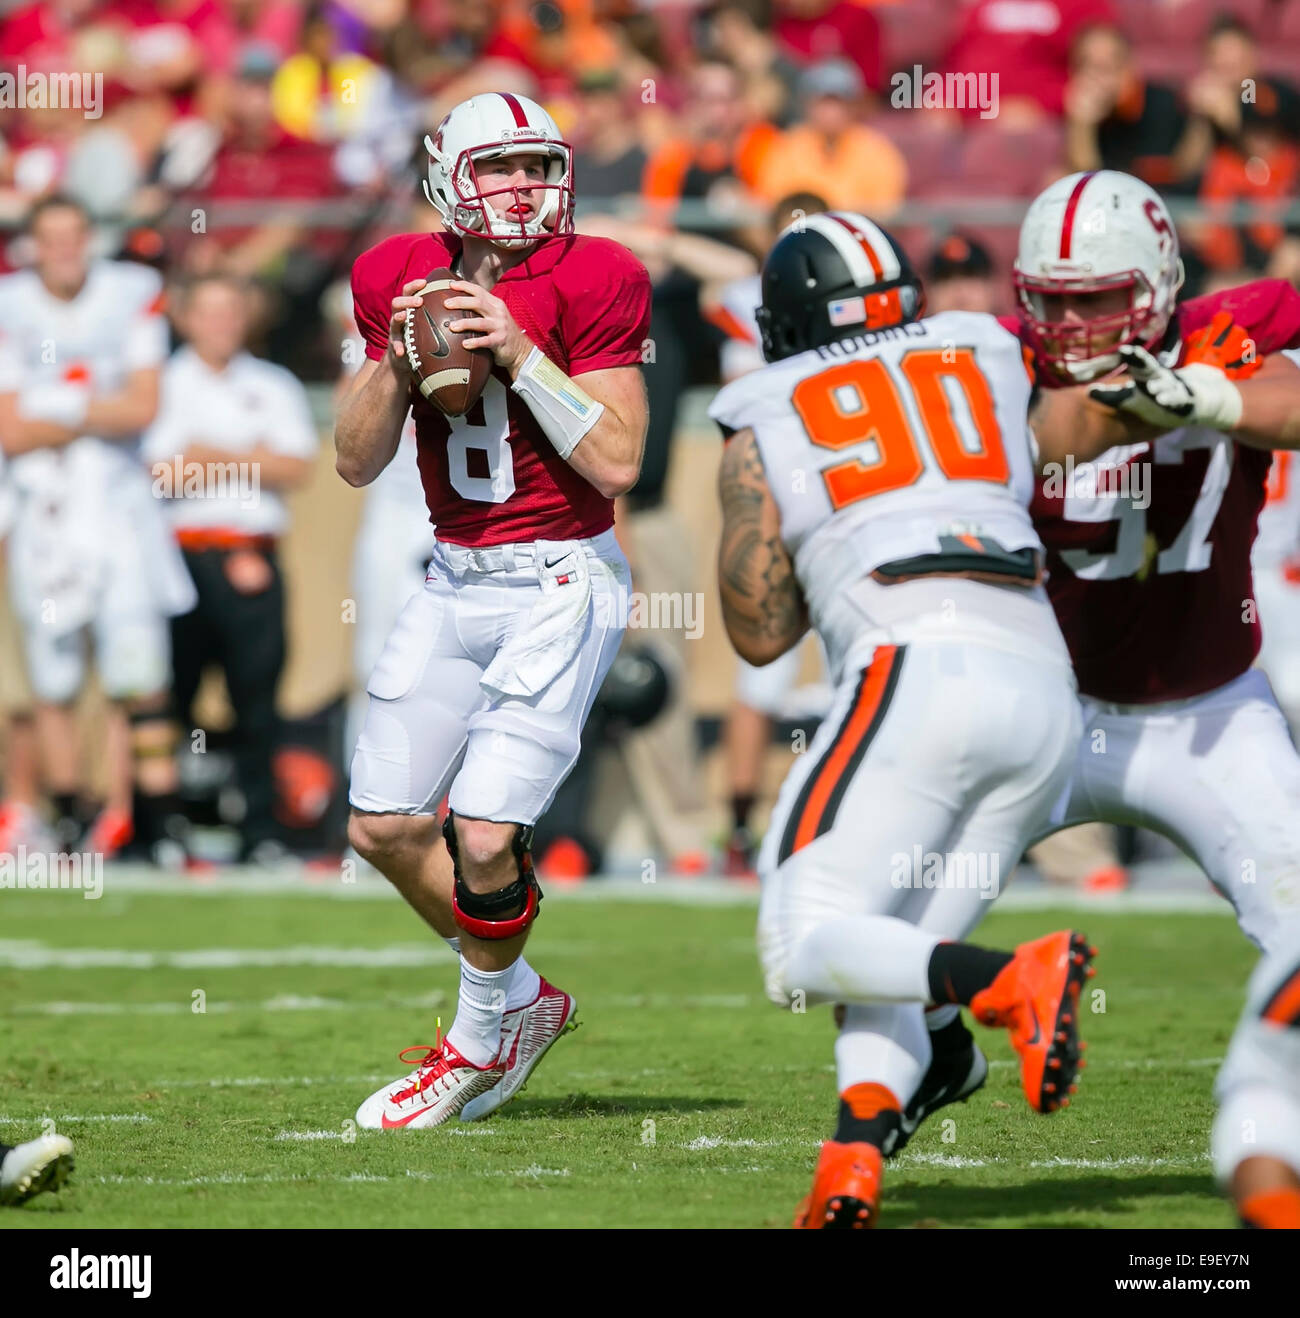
x=1086, y=349
x=467, y=209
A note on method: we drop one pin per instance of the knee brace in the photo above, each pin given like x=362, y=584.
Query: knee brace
x=483, y=913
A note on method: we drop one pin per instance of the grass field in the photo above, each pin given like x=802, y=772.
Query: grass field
x=684, y=1099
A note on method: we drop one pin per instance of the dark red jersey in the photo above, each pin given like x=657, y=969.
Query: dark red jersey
x=492, y=477
x=1148, y=549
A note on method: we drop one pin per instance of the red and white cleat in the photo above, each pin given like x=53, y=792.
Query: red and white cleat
x=526, y=1033
x=442, y=1084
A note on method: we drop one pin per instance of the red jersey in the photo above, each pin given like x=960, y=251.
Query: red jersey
x=1149, y=571
x=492, y=477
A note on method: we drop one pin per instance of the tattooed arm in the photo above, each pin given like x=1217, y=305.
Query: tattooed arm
x=762, y=605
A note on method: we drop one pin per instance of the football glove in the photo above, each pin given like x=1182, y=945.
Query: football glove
x=1169, y=397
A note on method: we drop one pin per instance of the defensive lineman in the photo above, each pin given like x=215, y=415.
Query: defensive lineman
x=875, y=484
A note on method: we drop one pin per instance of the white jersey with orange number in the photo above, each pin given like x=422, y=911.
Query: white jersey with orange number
x=900, y=453
x=1275, y=560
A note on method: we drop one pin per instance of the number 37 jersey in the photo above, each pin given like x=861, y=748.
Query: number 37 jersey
x=896, y=452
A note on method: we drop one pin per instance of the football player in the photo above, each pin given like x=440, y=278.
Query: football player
x=44, y=1163
x=1149, y=547
x=760, y=693
x=91, y=558
x=1257, y=1131
x=875, y=486
x=483, y=687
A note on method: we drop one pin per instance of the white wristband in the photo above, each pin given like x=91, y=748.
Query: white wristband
x=564, y=412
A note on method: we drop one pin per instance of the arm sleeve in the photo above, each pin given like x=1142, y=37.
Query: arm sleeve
x=147, y=341
x=370, y=308
x=610, y=318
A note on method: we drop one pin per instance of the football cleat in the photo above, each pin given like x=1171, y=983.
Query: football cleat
x=1036, y=997
x=442, y=1083
x=846, y=1189
x=949, y=1079
x=531, y=1031
x=40, y=1164
x=110, y=832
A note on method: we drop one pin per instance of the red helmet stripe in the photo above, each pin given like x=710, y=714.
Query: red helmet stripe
x=863, y=243
x=1067, y=224
x=515, y=108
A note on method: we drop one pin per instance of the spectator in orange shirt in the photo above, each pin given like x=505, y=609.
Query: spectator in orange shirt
x=1262, y=167
x=722, y=152
x=833, y=151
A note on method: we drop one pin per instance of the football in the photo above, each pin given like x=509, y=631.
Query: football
x=449, y=375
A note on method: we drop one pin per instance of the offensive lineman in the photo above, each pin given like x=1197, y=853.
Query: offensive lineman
x=875, y=484
x=489, y=674
x=1149, y=550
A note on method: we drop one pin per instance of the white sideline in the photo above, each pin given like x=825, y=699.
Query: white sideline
x=534, y=1171
x=1191, y=896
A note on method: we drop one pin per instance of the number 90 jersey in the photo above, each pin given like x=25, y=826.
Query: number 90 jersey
x=894, y=446
x=492, y=477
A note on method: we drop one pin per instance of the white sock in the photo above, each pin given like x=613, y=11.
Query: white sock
x=884, y=1045
x=476, y=1032
x=524, y=987
x=864, y=958
x=937, y=1017
x=454, y=944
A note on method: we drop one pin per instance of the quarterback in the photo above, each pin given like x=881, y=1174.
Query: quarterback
x=482, y=689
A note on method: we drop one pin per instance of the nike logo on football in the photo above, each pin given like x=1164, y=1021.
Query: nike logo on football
x=443, y=348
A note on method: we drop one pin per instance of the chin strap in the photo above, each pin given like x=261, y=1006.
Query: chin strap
x=505, y=913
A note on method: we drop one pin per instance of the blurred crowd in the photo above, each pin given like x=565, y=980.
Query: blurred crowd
x=250, y=151
x=702, y=114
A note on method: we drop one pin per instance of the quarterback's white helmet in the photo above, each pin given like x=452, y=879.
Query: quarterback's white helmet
x=1099, y=232
x=490, y=126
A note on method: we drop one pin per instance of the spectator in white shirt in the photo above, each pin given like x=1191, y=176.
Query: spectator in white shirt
x=233, y=433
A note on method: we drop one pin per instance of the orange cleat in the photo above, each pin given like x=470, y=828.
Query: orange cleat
x=110, y=832
x=846, y=1189
x=1108, y=879
x=1036, y=998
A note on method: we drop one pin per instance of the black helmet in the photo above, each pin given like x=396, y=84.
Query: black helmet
x=830, y=275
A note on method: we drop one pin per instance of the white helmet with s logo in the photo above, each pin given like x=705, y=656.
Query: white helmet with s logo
x=1101, y=232
x=486, y=127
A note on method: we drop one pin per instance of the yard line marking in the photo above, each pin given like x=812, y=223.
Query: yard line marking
x=18, y=955
x=1190, y=896
x=420, y=1002
x=715, y=1142
x=68, y=1118
x=535, y=1171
